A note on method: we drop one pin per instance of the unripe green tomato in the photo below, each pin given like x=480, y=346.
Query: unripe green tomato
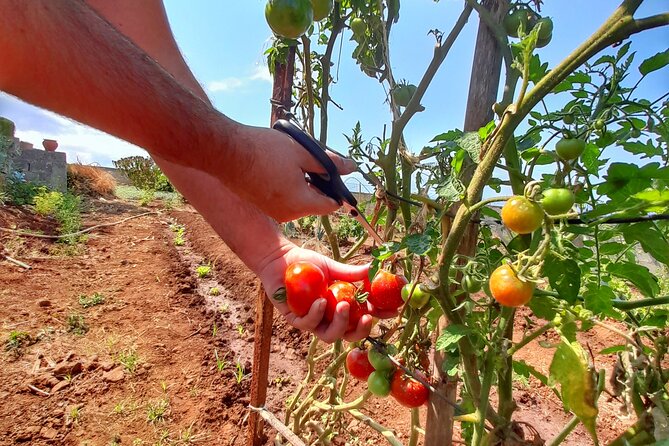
x=599, y=124
x=635, y=133
x=358, y=26
x=379, y=360
x=568, y=118
x=546, y=30
x=570, y=148
x=322, y=9
x=470, y=284
x=516, y=19
x=419, y=297
x=542, y=42
x=557, y=201
x=378, y=383
x=289, y=18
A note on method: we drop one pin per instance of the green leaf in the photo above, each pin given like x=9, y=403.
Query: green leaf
x=654, y=63
x=651, y=240
x=524, y=369
x=451, y=190
x=544, y=307
x=471, y=142
x=451, y=135
x=613, y=349
x=564, y=276
x=569, y=368
x=451, y=364
x=599, y=300
x=418, y=244
x=612, y=248
x=450, y=337
x=639, y=275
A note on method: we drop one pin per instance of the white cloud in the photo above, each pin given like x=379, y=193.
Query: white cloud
x=259, y=73
x=225, y=84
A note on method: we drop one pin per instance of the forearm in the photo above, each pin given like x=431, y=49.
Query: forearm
x=62, y=56
x=250, y=234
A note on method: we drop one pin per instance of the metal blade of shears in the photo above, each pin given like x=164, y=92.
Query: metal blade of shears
x=355, y=213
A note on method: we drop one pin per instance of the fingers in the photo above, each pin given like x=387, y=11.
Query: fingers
x=311, y=320
x=344, y=165
x=361, y=331
x=348, y=273
x=330, y=332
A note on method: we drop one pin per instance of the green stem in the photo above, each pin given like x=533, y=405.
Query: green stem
x=332, y=237
x=358, y=244
x=623, y=305
x=530, y=337
x=415, y=425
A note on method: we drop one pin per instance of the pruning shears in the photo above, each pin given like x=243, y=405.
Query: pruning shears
x=331, y=183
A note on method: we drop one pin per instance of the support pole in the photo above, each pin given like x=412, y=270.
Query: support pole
x=281, y=103
x=483, y=88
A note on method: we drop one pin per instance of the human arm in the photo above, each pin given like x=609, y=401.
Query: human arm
x=64, y=57
x=257, y=241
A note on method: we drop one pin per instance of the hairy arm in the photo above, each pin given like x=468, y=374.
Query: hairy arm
x=65, y=57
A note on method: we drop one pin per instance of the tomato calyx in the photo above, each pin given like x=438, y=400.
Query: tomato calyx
x=280, y=295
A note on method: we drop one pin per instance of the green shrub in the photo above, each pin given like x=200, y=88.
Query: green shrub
x=65, y=208
x=144, y=174
x=20, y=192
x=348, y=227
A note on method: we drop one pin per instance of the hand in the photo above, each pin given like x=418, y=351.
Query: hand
x=272, y=278
x=269, y=172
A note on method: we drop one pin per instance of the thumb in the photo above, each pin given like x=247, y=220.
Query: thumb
x=344, y=165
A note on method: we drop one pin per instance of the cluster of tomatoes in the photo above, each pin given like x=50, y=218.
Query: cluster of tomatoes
x=523, y=18
x=292, y=18
x=306, y=283
x=385, y=378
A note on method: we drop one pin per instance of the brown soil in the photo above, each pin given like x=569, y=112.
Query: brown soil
x=63, y=388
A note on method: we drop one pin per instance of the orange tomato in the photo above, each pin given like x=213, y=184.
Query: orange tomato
x=507, y=289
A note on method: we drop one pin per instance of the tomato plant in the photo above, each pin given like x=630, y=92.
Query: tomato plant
x=322, y=9
x=419, y=297
x=582, y=150
x=305, y=283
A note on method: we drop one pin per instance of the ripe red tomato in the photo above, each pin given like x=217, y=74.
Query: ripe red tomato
x=570, y=148
x=305, y=283
x=357, y=363
x=408, y=391
x=521, y=215
x=507, y=289
x=344, y=292
x=289, y=18
x=557, y=201
x=378, y=383
x=386, y=290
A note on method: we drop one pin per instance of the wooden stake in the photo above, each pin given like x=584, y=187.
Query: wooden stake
x=281, y=103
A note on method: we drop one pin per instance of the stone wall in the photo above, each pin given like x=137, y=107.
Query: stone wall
x=42, y=167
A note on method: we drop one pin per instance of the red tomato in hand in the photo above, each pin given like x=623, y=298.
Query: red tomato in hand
x=305, y=283
x=408, y=391
x=358, y=364
x=508, y=289
x=344, y=292
x=386, y=291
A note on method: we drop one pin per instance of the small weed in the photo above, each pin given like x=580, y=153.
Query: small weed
x=240, y=374
x=188, y=436
x=179, y=231
x=240, y=329
x=77, y=324
x=74, y=414
x=215, y=291
x=146, y=197
x=157, y=411
x=124, y=407
x=129, y=359
x=224, y=308
x=523, y=381
x=214, y=330
x=164, y=386
x=16, y=340
x=137, y=442
x=221, y=363
x=203, y=271
x=95, y=299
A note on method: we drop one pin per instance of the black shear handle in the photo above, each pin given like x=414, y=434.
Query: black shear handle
x=332, y=184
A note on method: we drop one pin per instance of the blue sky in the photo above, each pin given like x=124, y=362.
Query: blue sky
x=224, y=41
